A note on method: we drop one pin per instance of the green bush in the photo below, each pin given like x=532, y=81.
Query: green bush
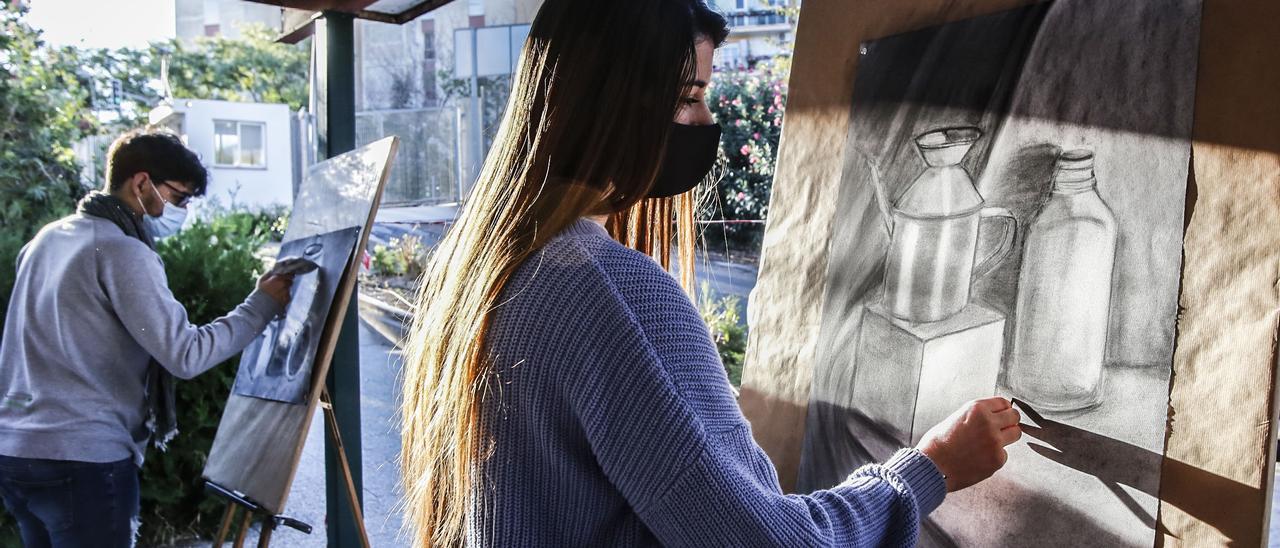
x=403, y=257
x=43, y=103
x=725, y=323
x=211, y=267
x=267, y=223
x=387, y=262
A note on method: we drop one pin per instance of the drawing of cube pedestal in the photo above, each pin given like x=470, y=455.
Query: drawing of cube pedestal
x=911, y=376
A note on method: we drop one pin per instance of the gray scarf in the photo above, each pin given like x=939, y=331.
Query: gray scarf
x=162, y=414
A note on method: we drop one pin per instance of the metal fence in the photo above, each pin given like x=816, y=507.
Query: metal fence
x=425, y=170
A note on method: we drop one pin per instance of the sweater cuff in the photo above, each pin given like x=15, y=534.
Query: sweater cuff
x=264, y=305
x=926, y=481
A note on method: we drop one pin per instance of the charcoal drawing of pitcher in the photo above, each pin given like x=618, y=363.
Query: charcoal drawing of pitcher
x=933, y=230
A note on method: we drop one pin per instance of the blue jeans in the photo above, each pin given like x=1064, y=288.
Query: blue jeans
x=72, y=504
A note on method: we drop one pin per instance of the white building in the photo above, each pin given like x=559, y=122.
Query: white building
x=197, y=18
x=248, y=148
x=759, y=29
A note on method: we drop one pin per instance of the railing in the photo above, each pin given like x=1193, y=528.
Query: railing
x=756, y=18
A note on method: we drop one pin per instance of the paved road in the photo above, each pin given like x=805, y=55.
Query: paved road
x=726, y=278
x=723, y=277
x=428, y=224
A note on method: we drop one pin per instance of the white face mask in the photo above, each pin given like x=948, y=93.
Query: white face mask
x=168, y=223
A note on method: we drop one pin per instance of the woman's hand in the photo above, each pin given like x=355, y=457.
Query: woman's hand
x=968, y=447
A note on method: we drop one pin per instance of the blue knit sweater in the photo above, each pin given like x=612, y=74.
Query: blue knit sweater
x=613, y=424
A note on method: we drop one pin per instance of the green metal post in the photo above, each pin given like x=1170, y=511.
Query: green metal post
x=336, y=129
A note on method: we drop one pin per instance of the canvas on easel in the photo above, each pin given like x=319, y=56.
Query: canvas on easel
x=1159, y=113
x=259, y=441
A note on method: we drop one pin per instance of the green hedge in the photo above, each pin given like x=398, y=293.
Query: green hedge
x=722, y=315
x=212, y=266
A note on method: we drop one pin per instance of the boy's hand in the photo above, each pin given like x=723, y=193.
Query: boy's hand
x=277, y=286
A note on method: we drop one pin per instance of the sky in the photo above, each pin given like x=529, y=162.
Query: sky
x=102, y=23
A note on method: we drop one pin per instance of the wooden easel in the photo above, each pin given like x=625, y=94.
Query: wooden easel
x=270, y=522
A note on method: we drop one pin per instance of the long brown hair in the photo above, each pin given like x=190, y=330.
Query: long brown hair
x=592, y=100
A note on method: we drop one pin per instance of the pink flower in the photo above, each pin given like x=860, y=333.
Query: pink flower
x=745, y=150
x=737, y=123
x=742, y=196
x=771, y=110
x=737, y=101
x=755, y=135
x=752, y=159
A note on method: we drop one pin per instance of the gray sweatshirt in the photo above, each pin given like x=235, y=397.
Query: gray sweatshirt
x=90, y=307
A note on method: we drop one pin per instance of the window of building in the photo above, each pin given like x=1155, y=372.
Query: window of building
x=239, y=144
x=429, y=62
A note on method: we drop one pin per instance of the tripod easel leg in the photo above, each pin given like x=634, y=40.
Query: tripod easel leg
x=227, y=519
x=346, y=467
x=264, y=537
x=244, y=529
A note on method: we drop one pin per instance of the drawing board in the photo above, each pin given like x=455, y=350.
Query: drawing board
x=259, y=441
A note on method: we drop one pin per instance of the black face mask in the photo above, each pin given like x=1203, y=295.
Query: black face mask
x=691, y=152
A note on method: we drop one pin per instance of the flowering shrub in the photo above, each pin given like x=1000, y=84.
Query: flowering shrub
x=749, y=105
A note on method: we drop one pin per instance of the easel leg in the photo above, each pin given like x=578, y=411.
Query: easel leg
x=346, y=468
x=244, y=529
x=227, y=519
x=264, y=537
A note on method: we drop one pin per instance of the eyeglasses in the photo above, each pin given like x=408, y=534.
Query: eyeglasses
x=184, y=198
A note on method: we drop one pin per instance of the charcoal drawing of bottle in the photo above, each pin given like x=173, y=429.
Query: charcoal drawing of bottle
x=1064, y=294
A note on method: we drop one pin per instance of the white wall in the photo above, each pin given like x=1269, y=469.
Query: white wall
x=251, y=187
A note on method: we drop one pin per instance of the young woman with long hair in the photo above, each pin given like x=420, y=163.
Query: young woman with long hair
x=560, y=389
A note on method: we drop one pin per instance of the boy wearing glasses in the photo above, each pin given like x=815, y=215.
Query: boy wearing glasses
x=92, y=342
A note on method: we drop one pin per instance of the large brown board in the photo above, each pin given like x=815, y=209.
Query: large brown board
x=259, y=441
x=1217, y=469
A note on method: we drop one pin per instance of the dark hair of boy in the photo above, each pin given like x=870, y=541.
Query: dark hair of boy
x=159, y=153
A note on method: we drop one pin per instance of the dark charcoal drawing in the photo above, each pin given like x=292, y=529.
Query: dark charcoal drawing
x=1010, y=222
x=277, y=365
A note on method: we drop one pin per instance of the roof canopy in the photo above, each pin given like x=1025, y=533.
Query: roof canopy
x=299, y=14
